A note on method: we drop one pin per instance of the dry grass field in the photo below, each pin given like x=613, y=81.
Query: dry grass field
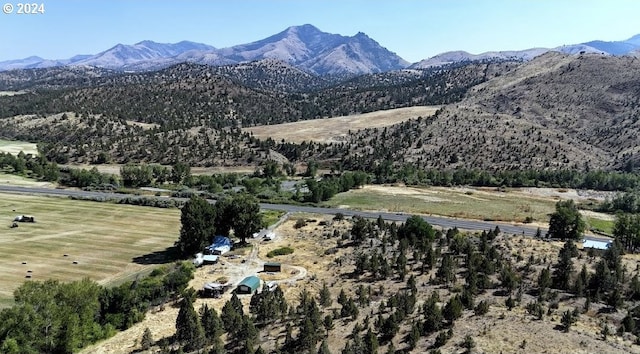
x=463, y=202
x=337, y=129
x=12, y=93
x=14, y=147
x=103, y=238
x=114, y=169
x=15, y=180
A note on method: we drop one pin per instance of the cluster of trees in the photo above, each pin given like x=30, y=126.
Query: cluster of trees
x=92, y=178
x=328, y=187
x=388, y=172
x=627, y=231
x=29, y=165
x=141, y=175
x=627, y=202
x=201, y=221
x=55, y=317
x=388, y=251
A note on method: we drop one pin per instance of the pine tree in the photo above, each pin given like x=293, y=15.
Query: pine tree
x=453, y=309
x=308, y=336
x=231, y=318
x=147, y=339
x=371, y=344
x=567, y=320
x=324, y=348
x=248, y=334
x=211, y=322
x=432, y=315
x=414, y=336
x=544, y=280
x=188, y=328
x=324, y=298
x=328, y=323
x=564, y=267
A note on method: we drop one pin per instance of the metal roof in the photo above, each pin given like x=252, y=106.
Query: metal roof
x=210, y=258
x=595, y=244
x=252, y=281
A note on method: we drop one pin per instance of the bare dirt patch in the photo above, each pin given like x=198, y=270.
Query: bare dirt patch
x=337, y=129
x=145, y=126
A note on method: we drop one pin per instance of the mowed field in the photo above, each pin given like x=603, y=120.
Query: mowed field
x=14, y=147
x=336, y=129
x=103, y=238
x=511, y=205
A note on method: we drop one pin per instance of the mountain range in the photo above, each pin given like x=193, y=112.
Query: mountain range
x=304, y=47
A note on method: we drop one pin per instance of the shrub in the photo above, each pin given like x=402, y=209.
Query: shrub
x=280, y=252
x=300, y=223
x=482, y=308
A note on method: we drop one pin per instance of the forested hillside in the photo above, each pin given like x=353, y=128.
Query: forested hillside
x=192, y=112
x=558, y=111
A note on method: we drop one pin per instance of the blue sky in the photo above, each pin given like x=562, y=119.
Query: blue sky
x=414, y=29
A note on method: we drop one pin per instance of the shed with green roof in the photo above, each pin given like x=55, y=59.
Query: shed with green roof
x=248, y=285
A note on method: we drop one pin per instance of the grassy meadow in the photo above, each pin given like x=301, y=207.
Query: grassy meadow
x=107, y=241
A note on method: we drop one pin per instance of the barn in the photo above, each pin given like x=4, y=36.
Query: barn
x=248, y=285
x=272, y=267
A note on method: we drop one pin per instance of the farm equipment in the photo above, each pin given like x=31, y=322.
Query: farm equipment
x=24, y=218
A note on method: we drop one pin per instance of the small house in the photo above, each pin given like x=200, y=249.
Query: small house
x=272, y=267
x=248, y=285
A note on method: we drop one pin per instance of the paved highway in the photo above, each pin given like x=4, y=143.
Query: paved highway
x=444, y=222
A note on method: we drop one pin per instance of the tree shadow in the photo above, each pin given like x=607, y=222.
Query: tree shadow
x=560, y=328
x=168, y=255
x=607, y=310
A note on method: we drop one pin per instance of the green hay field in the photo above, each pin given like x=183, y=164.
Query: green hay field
x=108, y=241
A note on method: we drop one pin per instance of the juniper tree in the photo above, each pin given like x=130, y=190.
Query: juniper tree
x=189, y=330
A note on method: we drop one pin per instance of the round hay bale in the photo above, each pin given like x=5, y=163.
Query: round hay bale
x=24, y=262
x=75, y=262
x=29, y=271
x=27, y=276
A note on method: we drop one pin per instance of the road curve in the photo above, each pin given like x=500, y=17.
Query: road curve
x=444, y=222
